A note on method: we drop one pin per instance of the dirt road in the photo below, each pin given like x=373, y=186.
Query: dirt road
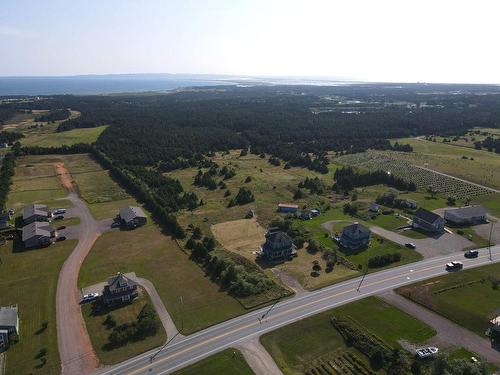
x=64, y=176
x=75, y=349
x=258, y=358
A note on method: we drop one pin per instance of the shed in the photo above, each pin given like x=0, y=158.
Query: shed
x=132, y=216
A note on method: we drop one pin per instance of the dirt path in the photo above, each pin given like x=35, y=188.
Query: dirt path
x=64, y=177
x=290, y=281
x=258, y=358
x=75, y=349
x=448, y=332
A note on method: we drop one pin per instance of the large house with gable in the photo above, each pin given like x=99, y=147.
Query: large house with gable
x=428, y=221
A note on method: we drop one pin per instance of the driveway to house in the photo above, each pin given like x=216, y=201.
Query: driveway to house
x=447, y=332
x=446, y=243
x=257, y=357
x=75, y=349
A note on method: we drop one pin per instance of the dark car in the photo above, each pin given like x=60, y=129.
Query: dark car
x=410, y=245
x=62, y=238
x=454, y=266
x=61, y=227
x=471, y=254
x=59, y=217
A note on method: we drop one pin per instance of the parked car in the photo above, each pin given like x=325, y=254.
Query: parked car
x=61, y=227
x=427, y=352
x=59, y=211
x=455, y=265
x=59, y=217
x=61, y=238
x=89, y=297
x=471, y=254
x=410, y=245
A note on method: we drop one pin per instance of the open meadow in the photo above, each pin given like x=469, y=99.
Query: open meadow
x=229, y=361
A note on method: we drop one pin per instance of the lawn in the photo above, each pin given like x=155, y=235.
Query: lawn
x=229, y=361
x=470, y=234
x=99, y=331
x=468, y=297
x=53, y=138
x=155, y=256
x=296, y=346
x=491, y=202
x=29, y=279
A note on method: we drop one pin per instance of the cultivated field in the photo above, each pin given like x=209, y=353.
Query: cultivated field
x=302, y=346
x=468, y=298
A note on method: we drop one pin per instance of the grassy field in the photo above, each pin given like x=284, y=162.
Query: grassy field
x=491, y=203
x=29, y=279
x=153, y=255
x=230, y=362
x=483, y=169
x=99, y=332
x=468, y=297
x=296, y=346
x=270, y=186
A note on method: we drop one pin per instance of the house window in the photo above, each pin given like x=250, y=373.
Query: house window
x=126, y=298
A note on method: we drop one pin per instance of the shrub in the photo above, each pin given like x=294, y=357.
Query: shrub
x=383, y=260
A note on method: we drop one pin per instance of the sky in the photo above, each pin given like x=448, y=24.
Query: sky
x=373, y=40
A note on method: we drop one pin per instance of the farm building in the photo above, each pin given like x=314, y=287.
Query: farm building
x=120, y=288
x=132, y=216
x=35, y=212
x=9, y=324
x=355, y=236
x=37, y=234
x=465, y=215
x=428, y=221
x=287, y=208
x=278, y=245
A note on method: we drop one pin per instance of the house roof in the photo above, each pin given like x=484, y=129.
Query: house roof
x=120, y=281
x=287, y=205
x=131, y=212
x=277, y=236
x=466, y=212
x=35, y=209
x=8, y=316
x=36, y=228
x=355, y=230
x=426, y=215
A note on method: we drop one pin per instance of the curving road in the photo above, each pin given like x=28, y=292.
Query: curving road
x=194, y=347
x=75, y=348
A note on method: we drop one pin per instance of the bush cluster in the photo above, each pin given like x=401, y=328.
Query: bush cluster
x=383, y=260
x=147, y=324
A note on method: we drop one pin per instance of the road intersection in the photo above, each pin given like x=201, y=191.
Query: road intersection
x=186, y=350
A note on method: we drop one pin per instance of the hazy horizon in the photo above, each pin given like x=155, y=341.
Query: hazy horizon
x=385, y=41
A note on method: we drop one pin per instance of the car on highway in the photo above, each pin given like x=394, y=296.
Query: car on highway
x=410, y=245
x=471, y=254
x=89, y=297
x=455, y=265
x=61, y=227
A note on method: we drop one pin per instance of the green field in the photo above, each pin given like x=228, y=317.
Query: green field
x=229, y=362
x=68, y=138
x=99, y=332
x=29, y=279
x=296, y=346
x=468, y=297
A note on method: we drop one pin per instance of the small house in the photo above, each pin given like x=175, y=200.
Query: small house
x=287, y=208
x=355, y=236
x=9, y=324
x=428, y=221
x=35, y=212
x=469, y=215
x=374, y=207
x=278, y=245
x=37, y=234
x=120, y=288
x=132, y=217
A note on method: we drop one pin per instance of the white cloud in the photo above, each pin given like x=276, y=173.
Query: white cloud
x=8, y=31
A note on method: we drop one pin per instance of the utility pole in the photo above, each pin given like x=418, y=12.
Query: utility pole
x=268, y=311
x=366, y=271
x=489, y=241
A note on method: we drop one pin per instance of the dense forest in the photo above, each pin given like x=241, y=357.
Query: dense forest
x=295, y=125
x=54, y=115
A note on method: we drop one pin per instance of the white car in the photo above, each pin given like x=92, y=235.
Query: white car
x=89, y=297
x=59, y=211
x=427, y=352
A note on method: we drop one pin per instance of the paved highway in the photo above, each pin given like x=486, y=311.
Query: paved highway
x=189, y=349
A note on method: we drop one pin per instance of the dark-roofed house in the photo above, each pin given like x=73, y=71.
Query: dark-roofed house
x=355, y=236
x=9, y=324
x=278, y=245
x=132, y=216
x=427, y=221
x=37, y=234
x=120, y=288
x=469, y=215
x=35, y=212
